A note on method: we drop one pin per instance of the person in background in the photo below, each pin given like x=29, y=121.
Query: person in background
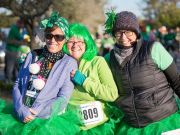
x=43, y=86
x=24, y=49
x=94, y=84
x=170, y=40
x=177, y=39
x=107, y=43
x=152, y=34
x=162, y=32
x=144, y=32
x=147, y=80
x=13, y=42
x=98, y=43
x=177, y=42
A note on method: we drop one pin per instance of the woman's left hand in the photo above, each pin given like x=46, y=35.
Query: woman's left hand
x=78, y=77
x=28, y=119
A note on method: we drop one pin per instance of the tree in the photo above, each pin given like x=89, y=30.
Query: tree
x=88, y=12
x=164, y=12
x=169, y=16
x=6, y=21
x=28, y=10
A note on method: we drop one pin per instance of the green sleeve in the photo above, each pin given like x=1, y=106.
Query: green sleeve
x=160, y=56
x=103, y=87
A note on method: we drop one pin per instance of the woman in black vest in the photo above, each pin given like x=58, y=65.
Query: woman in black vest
x=147, y=79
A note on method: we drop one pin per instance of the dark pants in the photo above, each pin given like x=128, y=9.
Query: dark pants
x=11, y=66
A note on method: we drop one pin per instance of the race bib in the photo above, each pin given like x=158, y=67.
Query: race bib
x=91, y=113
x=172, y=132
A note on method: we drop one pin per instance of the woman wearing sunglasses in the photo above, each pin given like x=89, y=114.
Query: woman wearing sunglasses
x=94, y=84
x=44, y=85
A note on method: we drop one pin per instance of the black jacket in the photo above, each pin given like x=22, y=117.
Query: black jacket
x=145, y=93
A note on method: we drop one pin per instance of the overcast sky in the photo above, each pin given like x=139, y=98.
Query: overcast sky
x=130, y=5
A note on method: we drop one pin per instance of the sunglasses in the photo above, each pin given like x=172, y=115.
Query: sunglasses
x=56, y=37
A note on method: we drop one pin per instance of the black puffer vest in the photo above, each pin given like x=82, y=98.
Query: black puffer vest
x=145, y=94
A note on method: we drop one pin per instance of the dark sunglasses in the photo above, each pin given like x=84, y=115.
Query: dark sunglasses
x=56, y=37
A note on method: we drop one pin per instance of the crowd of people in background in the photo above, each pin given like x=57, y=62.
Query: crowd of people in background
x=169, y=37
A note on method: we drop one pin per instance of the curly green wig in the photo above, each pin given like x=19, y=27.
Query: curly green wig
x=81, y=32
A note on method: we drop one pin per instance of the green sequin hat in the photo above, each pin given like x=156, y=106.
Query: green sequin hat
x=56, y=19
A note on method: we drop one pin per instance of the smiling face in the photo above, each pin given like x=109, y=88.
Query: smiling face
x=125, y=38
x=55, y=40
x=76, y=47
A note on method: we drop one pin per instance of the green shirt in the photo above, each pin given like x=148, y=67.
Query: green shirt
x=160, y=56
x=14, y=33
x=98, y=86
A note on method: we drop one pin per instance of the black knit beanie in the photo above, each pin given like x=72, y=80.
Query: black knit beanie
x=126, y=20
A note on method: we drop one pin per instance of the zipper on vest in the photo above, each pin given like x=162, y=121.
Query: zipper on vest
x=132, y=92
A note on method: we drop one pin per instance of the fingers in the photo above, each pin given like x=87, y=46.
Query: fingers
x=32, y=111
x=28, y=119
x=73, y=73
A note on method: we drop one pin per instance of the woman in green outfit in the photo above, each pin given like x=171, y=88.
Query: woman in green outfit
x=94, y=84
x=146, y=77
